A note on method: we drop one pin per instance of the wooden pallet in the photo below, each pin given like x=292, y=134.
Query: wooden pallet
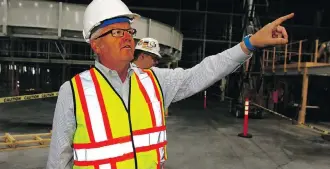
x=24, y=141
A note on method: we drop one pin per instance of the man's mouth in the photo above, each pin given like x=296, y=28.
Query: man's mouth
x=127, y=47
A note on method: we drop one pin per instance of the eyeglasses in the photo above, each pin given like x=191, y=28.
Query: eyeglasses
x=118, y=32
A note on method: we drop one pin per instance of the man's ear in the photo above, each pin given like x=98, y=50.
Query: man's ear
x=141, y=56
x=95, y=46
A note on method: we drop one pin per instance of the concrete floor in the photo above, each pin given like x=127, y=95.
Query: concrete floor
x=197, y=139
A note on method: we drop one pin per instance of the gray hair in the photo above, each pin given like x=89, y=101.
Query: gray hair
x=94, y=36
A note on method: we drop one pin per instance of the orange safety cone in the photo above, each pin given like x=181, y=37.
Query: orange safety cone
x=245, y=133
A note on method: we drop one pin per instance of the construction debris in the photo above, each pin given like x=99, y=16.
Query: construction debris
x=24, y=141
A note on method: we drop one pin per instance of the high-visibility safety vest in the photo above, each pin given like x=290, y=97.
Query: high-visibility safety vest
x=109, y=135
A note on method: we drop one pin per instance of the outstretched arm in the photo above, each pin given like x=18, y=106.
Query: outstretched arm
x=179, y=84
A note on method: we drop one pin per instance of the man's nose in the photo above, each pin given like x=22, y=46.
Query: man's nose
x=127, y=36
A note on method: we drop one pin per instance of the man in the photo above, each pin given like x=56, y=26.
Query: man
x=323, y=53
x=146, y=54
x=112, y=115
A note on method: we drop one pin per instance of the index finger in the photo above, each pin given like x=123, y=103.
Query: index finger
x=282, y=19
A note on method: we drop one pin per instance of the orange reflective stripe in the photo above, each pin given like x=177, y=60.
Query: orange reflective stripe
x=102, y=106
x=158, y=91
x=146, y=97
x=84, y=107
x=158, y=157
x=85, y=110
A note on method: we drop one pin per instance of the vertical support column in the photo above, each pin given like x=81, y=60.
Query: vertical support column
x=12, y=77
x=267, y=57
x=149, y=27
x=199, y=55
x=37, y=74
x=5, y=21
x=11, y=67
x=205, y=29
x=63, y=73
x=17, y=82
x=285, y=57
x=205, y=99
x=169, y=65
x=263, y=61
x=274, y=55
x=299, y=55
x=173, y=40
x=179, y=16
x=251, y=11
x=69, y=70
x=230, y=30
x=230, y=105
x=59, y=29
x=316, y=50
x=304, y=92
x=286, y=96
x=176, y=64
x=223, y=88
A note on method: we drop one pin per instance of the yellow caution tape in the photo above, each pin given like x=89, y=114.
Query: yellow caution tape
x=27, y=97
x=306, y=125
x=271, y=111
x=323, y=131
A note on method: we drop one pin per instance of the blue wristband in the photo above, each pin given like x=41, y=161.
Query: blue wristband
x=247, y=43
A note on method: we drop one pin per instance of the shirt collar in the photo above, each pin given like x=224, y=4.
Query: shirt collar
x=110, y=72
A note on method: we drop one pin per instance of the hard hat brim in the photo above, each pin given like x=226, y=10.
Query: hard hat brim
x=156, y=54
x=131, y=16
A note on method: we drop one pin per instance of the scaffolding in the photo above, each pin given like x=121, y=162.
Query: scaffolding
x=296, y=62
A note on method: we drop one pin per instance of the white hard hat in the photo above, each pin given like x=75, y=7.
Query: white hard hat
x=149, y=45
x=101, y=10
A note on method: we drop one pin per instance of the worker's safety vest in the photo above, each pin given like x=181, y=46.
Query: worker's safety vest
x=111, y=136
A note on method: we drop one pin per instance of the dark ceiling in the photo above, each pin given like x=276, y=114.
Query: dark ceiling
x=310, y=15
x=311, y=21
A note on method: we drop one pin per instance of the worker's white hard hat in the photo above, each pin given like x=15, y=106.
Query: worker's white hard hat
x=100, y=10
x=149, y=45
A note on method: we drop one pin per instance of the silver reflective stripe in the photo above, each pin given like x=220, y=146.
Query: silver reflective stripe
x=116, y=150
x=93, y=107
x=105, y=166
x=150, y=88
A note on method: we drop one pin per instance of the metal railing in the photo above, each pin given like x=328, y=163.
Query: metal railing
x=272, y=57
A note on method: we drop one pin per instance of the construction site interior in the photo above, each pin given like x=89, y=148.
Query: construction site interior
x=42, y=47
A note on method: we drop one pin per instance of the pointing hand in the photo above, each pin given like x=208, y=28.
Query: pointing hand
x=272, y=33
